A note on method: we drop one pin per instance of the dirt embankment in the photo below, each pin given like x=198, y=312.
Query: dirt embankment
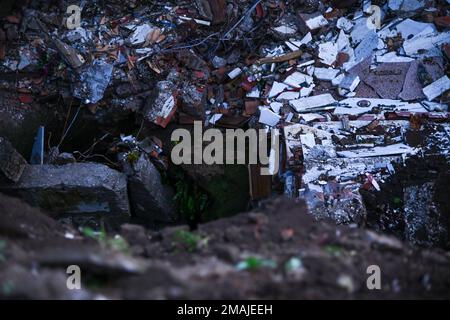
x=276, y=252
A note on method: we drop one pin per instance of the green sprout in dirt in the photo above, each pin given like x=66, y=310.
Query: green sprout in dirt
x=116, y=243
x=397, y=201
x=333, y=250
x=133, y=156
x=190, y=199
x=255, y=263
x=188, y=241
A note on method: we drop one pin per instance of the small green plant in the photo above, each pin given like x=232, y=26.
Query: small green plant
x=188, y=241
x=397, y=201
x=133, y=156
x=115, y=243
x=333, y=250
x=191, y=201
x=255, y=263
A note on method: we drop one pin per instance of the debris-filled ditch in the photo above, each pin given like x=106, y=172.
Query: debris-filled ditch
x=352, y=97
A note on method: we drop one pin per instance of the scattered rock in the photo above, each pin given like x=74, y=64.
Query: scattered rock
x=80, y=189
x=150, y=200
x=12, y=163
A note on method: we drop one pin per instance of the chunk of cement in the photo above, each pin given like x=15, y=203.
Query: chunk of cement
x=150, y=200
x=12, y=163
x=77, y=188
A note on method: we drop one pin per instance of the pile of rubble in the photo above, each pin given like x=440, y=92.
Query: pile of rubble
x=343, y=82
x=356, y=101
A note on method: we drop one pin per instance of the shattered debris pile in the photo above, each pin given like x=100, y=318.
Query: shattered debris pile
x=343, y=86
x=352, y=75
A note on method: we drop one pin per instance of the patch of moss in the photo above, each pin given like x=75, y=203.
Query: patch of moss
x=188, y=241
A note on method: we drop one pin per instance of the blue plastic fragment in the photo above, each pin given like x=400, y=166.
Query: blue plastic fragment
x=37, y=153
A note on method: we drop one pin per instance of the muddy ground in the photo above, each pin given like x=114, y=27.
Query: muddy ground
x=277, y=251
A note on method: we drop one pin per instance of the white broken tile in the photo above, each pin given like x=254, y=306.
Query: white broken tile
x=296, y=44
x=328, y=52
x=311, y=116
x=409, y=28
x=316, y=22
x=350, y=94
x=366, y=46
x=366, y=6
x=293, y=132
x=392, y=57
x=395, y=5
x=292, y=45
x=268, y=117
x=353, y=106
x=350, y=82
x=277, y=88
x=255, y=93
x=350, y=64
x=389, y=29
x=140, y=34
x=336, y=81
x=390, y=150
x=406, y=5
x=305, y=104
x=306, y=91
x=412, y=107
x=288, y=95
x=297, y=78
x=310, y=70
x=215, y=117
x=372, y=102
x=336, y=126
x=289, y=117
x=437, y=88
x=308, y=140
x=343, y=42
x=276, y=107
x=434, y=106
x=326, y=74
x=361, y=30
x=306, y=63
x=285, y=29
x=198, y=21
x=344, y=24
x=426, y=44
